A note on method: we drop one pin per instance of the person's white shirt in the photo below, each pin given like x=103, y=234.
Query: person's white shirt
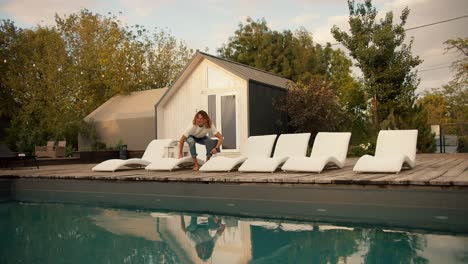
x=200, y=132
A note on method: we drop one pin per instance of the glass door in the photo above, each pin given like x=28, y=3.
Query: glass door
x=222, y=109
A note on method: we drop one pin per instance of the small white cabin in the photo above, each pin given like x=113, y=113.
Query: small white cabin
x=239, y=99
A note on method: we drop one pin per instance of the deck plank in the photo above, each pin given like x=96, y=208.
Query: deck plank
x=431, y=170
x=400, y=178
x=218, y=176
x=462, y=179
x=458, y=169
x=452, y=171
x=425, y=176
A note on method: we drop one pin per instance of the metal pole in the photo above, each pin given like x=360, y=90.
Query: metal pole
x=440, y=138
x=444, y=142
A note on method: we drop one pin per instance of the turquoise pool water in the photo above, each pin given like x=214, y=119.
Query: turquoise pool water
x=64, y=233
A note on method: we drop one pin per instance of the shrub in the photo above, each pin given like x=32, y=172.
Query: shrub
x=462, y=146
x=362, y=149
x=312, y=107
x=98, y=145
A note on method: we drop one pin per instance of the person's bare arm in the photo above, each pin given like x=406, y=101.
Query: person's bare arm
x=220, y=225
x=182, y=223
x=181, y=146
x=220, y=142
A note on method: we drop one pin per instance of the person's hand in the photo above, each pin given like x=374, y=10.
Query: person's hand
x=214, y=151
x=220, y=230
x=181, y=155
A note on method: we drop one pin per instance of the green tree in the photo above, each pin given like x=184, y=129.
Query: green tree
x=166, y=58
x=52, y=77
x=457, y=100
x=112, y=58
x=291, y=55
x=461, y=65
x=313, y=107
x=456, y=92
x=9, y=43
x=449, y=104
x=38, y=79
x=385, y=60
x=108, y=58
x=295, y=56
x=352, y=97
x=414, y=118
x=436, y=106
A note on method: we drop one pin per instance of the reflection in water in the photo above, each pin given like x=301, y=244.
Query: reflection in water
x=56, y=233
x=394, y=247
x=303, y=243
x=199, y=233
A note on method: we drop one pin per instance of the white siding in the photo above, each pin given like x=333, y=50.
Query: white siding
x=177, y=111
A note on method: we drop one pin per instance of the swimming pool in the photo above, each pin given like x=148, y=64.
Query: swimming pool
x=116, y=222
x=64, y=233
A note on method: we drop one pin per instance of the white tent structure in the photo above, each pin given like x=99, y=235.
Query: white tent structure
x=129, y=118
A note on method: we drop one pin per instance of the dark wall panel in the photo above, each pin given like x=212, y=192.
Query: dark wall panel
x=264, y=118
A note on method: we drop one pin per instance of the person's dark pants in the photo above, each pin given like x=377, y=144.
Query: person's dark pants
x=208, y=142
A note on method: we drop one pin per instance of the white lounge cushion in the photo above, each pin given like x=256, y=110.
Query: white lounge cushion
x=170, y=164
x=220, y=163
x=288, y=145
x=394, y=149
x=265, y=224
x=292, y=145
x=154, y=150
x=259, y=146
x=296, y=227
x=116, y=164
x=389, y=164
x=262, y=164
x=255, y=147
x=307, y=164
x=329, y=148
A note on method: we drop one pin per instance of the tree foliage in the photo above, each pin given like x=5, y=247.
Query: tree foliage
x=415, y=118
x=387, y=65
x=9, y=45
x=37, y=79
x=456, y=95
x=111, y=58
x=448, y=105
x=291, y=55
x=456, y=91
x=385, y=60
x=460, y=66
x=313, y=107
x=436, y=107
x=51, y=77
x=295, y=56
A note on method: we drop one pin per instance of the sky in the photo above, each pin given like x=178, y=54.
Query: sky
x=209, y=23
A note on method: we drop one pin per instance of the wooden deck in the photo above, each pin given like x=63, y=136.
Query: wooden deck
x=431, y=170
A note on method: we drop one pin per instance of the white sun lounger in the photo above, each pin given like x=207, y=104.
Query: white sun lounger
x=329, y=148
x=154, y=150
x=288, y=145
x=255, y=147
x=394, y=149
x=169, y=164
